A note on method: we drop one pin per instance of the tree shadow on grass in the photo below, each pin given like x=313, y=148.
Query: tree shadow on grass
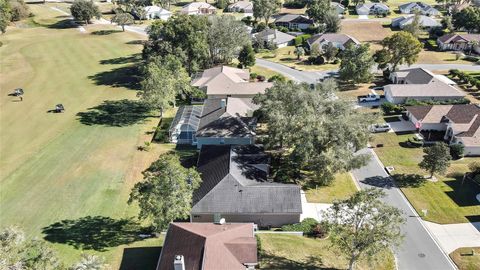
x=105, y=32
x=136, y=42
x=62, y=24
x=115, y=113
x=127, y=76
x=464, y=191
x=94, y=233
x=270, y=261
x=409, y=180
x=122, y=60
x=140, y=258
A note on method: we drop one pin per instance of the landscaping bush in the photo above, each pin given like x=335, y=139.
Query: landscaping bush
x=301, y=39
x=457, y=151
x=295, y=3
x=221, y=4
x=253, y=75
x=415, y=142
x=260, y=78
x=307, y=226
x=277, y=78
x=474, y=167
x=316, y=60
x=283, y=29
x=389, y=108
x=19, y=10
x=414, y=102
x=454, y=73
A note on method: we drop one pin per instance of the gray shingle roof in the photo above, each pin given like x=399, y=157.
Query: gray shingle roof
x=234, y=180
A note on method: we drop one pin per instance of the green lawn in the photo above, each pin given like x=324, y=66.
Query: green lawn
x=341, y=188
x=465, y=259
x=279, y=251
x=450, y=200
x=286, y=56
x=69, y=175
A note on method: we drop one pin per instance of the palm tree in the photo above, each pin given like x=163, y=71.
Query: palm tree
x=90, y=262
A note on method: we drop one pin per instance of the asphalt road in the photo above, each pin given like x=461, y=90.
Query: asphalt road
x=419, y=250
x=314, y=76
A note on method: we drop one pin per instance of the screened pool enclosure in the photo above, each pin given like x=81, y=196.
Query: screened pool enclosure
x=185, y=125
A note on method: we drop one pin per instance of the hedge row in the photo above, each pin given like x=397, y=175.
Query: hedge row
x=465, y=78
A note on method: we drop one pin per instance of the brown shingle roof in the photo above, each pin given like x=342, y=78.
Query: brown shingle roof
x=209, y=246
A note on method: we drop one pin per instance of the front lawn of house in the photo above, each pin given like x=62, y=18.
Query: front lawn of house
x=280, y=251
x=286, y=56
x=467, y=258
x=450, y=200
x=341, y=188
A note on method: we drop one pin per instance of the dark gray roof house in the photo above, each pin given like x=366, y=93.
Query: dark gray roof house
x=293, y=21
x=235, y=186
x=278, y=38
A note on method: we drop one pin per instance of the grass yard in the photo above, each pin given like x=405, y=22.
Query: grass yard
x=263, y=71
x=341, y=188
x=285, y=252
x=465, y=259
x=448, y=200
x=286, y=56
x=67, y=176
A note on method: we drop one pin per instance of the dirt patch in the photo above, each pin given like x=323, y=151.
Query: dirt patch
x=367, y=31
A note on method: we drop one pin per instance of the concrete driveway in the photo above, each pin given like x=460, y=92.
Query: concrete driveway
x=454, y=236
x=312, y=210
x=402, y=126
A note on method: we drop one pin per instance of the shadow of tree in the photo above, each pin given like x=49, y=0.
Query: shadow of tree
x=105, y=32
x=122, y=60
x=127, y=76
x=115, y=113
x=379, y=181
x=62, y=24
x=270, y=261
x=409, y=180
x=97, y=233
x=188, y=155
x=464, y=191
x=136, y=42
x=140, y=258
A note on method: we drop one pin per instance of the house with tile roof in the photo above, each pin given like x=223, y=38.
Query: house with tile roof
x=206, y=246
x=198, y=8
x=274, y=36
x=338, y=40
x=461, y=123
x=459, y=42
x=225, y=81
x=422, y=8
x=425, y=22
x=235, y=186
x=293, y=21
x=420, y=84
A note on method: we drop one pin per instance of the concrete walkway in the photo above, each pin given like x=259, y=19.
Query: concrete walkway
x=312, y=210
x=454, y=236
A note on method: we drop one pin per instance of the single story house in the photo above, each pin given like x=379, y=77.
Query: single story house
x=156, y=12
x=338, y=7
x=241, y=6
x=338, y=40
x=224, y=81
x=458, y=42
x=425, y=21
x=420, y=84
x=205, y=246
x=372, y=8
x=226, y=121
x=461, y=123
x=423, y=8
x=274, y=36
x=293, y=21
x=235, y=186
x=198, y=8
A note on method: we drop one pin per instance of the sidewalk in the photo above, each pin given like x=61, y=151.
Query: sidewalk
x=312, y=210
x=454, y=236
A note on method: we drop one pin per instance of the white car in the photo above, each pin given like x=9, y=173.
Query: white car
x=380, y=127
x=368, y=98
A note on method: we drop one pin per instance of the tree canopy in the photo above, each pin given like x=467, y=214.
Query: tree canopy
x=264, y=9
x=436, y=159
x=83, y=10
x=362, y=225
x=328, y=131
x=246, y=57
x=165, y=79
x=183, y=36
x=166, y=192
x=226, y=37
x=356, y=65
x=122, y=19
x=468, y=19
x=399, y=48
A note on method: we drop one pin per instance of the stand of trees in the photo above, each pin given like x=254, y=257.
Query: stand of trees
x=468, y=19
x=327, y=130
x=323, y=13
x=12, y=11
x=264, y=9
x=84, y=10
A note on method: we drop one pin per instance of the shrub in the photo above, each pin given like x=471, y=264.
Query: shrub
x=19, y=10
x=474, y=167
x=283, y=29
x=307, y=226
x=261, y=78
x=389, y=108
x=221, y=4
x=253, y=75
x=301, y=39
x=277, y=78
x=415, y=142
x=295, y=3
x=457, y=151
x=454, y=72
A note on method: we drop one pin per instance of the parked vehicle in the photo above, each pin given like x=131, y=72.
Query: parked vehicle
x=369, y=98
x=380, y=127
